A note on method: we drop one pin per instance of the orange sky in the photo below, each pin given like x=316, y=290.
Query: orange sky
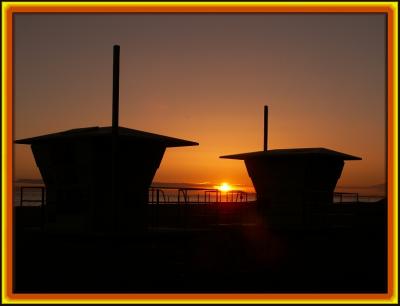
x=206, y=78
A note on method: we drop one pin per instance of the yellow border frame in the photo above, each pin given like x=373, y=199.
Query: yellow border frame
x=10, y=8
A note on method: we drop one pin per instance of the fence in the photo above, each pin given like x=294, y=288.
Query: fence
x=341, y=197
x=40, y=200
x=177, y=195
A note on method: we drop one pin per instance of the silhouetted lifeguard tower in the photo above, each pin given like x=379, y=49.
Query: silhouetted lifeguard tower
x=287, y=181
x=97, y=178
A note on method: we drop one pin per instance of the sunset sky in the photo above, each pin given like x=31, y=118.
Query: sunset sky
x=206, y=78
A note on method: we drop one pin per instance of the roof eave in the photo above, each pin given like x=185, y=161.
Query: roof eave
x=262, y=154
x=184, y=143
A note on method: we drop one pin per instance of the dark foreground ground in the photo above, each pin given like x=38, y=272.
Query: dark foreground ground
x=247, y=257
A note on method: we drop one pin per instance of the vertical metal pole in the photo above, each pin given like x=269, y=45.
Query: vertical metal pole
x=42, y=210
x=21, y=196
x=42, y=189
x=115, y=113
x=115, y=102
x=265, y=127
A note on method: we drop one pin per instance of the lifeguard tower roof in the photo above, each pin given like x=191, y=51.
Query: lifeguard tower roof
x=100, y=132
x=300, y=152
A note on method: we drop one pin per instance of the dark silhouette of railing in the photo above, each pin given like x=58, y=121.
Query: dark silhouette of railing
x=42, y=195
x=155, y=196
x=353, y=196
x=236, y=196
x=32, y=215
x=158, y=195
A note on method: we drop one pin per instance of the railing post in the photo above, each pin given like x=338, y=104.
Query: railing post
x=158, y=196
x=21, y=196
x=42, y=196
x=163, y=196
x=42, y=210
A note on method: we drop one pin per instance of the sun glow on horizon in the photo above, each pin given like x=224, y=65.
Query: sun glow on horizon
x=224, y=187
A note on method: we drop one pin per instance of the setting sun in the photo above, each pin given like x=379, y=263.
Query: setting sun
x=224, y=187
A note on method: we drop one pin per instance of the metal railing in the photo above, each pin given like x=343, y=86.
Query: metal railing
x=178, y=195
x=166, y=195
x=155, y=196
x=342, y=196
x=236, y=196
x=160, y=195
x=32, y=216
x=42, y=195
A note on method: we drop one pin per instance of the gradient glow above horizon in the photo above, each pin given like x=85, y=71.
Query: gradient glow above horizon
x=206, y=78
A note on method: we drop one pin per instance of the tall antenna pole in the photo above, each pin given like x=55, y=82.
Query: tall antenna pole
x=265, y=127
x=115, y=103
x=114, y=136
